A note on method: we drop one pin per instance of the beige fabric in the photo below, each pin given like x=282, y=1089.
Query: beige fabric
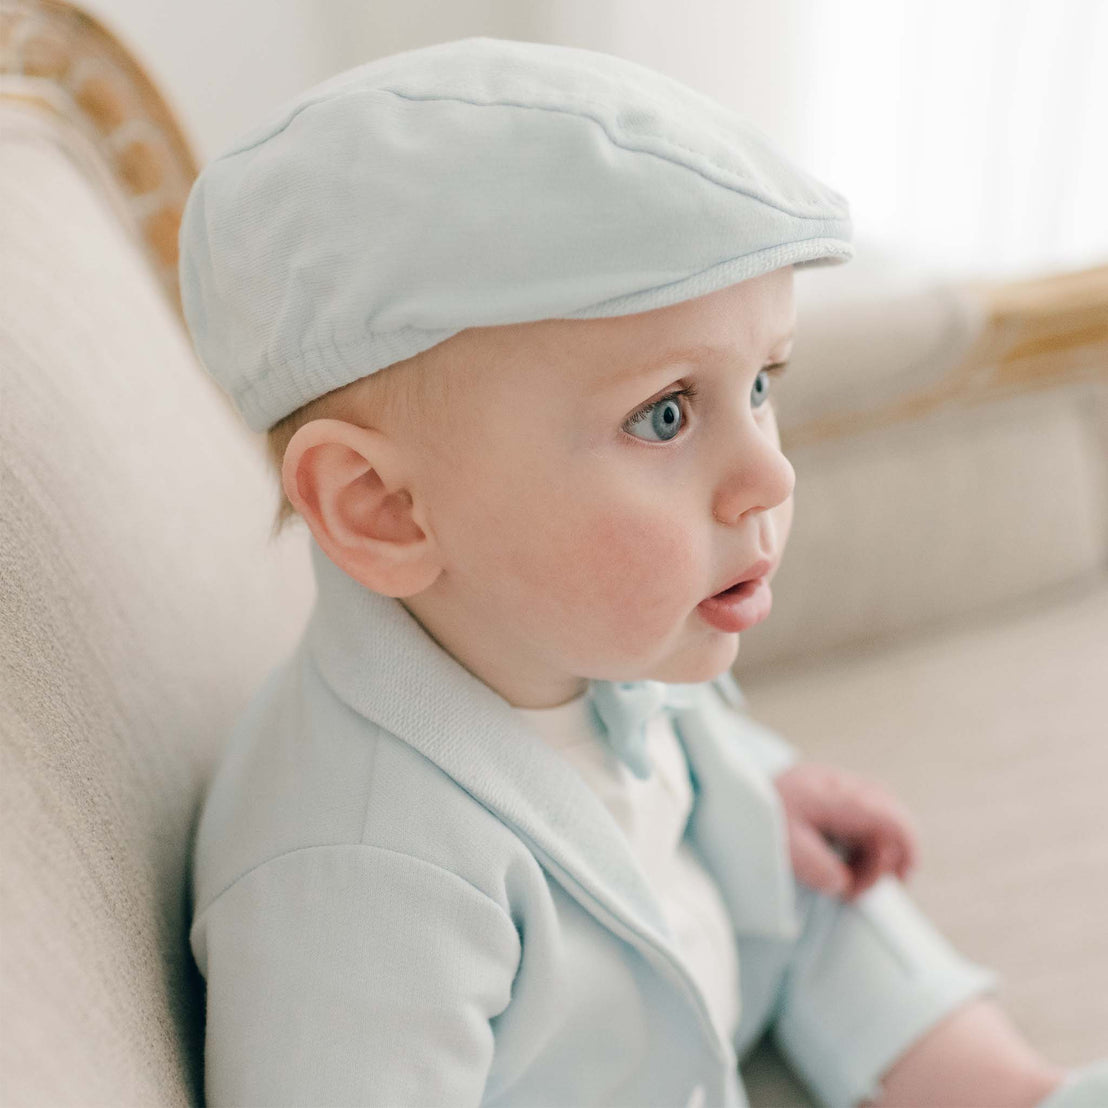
x=139, y=606
x=968, y=509
x=996, y=737
x=872, y=332
x=902, y=529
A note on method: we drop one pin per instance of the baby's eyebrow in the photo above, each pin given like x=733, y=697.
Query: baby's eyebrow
x=698, y=352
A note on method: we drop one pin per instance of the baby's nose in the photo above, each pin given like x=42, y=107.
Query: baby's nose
x=760, y=477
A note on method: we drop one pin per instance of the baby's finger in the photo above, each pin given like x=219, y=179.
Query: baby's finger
x=854, y=808
x=906, y=859
x=868, y=861
x=898, y=850
x=903, y=852
x=911, y=849
x=815, y=863
x=867, y=817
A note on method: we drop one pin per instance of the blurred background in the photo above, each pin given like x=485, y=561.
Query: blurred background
x=970, y=132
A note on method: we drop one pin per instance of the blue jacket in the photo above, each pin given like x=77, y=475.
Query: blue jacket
x=404, y=897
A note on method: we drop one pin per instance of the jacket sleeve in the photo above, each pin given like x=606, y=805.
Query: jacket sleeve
x=766, y=748
x=351, y=974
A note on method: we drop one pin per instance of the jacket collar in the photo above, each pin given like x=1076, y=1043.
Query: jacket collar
x=380, y=661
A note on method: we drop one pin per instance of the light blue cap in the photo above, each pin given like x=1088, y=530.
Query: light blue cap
x=474, y=183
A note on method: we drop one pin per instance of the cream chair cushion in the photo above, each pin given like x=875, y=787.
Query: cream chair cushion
x=141, y=604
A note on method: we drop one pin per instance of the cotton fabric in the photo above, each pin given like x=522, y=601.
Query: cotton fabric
x=403, y=896
x=653, y=813
x=472, y=183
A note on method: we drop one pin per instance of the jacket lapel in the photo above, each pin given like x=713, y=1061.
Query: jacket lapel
x=381, y=662
x=737, y=820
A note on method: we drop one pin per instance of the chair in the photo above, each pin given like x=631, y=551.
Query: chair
x=140, y=599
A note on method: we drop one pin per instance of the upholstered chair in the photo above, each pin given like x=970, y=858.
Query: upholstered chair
x=941, y=617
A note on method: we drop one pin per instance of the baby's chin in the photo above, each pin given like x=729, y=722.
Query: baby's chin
x=692, y=667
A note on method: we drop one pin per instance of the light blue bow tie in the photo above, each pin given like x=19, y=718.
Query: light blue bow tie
x=622, y=710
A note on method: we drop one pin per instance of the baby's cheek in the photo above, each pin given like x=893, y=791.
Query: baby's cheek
x=639, y=572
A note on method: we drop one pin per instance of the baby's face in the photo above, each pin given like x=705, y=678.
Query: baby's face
x=578, y=538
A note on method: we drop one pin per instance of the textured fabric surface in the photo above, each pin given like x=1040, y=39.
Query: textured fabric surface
x=383, y=819
x=139, y=605
x=653, y=814
x=873, y=332
x=353, y=228
x=995, y=734
x=387, y=846
x=864, y=980
x=966, y=512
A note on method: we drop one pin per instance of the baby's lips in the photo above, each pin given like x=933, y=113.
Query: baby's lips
x=763, y=568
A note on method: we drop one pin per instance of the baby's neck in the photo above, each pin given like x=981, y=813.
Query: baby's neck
x=509, y=667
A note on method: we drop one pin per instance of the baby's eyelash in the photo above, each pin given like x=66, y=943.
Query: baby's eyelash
x=689, y=391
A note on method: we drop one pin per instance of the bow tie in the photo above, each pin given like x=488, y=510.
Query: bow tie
x=622, y=710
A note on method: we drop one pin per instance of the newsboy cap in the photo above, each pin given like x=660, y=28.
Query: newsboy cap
x=473, y=183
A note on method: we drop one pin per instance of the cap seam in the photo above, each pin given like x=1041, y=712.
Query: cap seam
x=558, y=111
x=602, y=124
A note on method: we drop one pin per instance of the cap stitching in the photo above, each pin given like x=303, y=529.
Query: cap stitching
x=559, y=111
x=602, y=123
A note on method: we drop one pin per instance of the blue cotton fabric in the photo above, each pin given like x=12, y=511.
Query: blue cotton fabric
x=403, y=897
x=470, y=183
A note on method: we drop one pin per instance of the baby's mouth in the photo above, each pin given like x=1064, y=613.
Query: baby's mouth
x=748, y=580
x=738, y=590
x=738, y=607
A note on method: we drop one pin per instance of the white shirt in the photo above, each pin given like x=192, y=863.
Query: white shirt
x=653, y=814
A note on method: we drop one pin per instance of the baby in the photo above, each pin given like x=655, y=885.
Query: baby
x=500, y=831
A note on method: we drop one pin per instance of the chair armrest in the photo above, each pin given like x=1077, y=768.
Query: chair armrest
x=950, y=441
x=1014, y=336
x=1043, y=330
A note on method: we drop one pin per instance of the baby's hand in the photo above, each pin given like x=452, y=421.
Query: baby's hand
x=844, y=831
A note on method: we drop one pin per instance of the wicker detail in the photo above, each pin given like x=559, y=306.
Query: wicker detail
x=1038, y=333
x=61, y=60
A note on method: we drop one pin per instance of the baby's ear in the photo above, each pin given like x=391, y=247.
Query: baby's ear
x=353, y=490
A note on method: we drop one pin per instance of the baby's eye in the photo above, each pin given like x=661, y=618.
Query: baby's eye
x=663, y=417
x=759, y=392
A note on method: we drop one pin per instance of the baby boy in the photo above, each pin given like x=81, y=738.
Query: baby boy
x=500, y=831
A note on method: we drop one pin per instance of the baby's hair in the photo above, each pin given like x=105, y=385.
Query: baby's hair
x=405, y=399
